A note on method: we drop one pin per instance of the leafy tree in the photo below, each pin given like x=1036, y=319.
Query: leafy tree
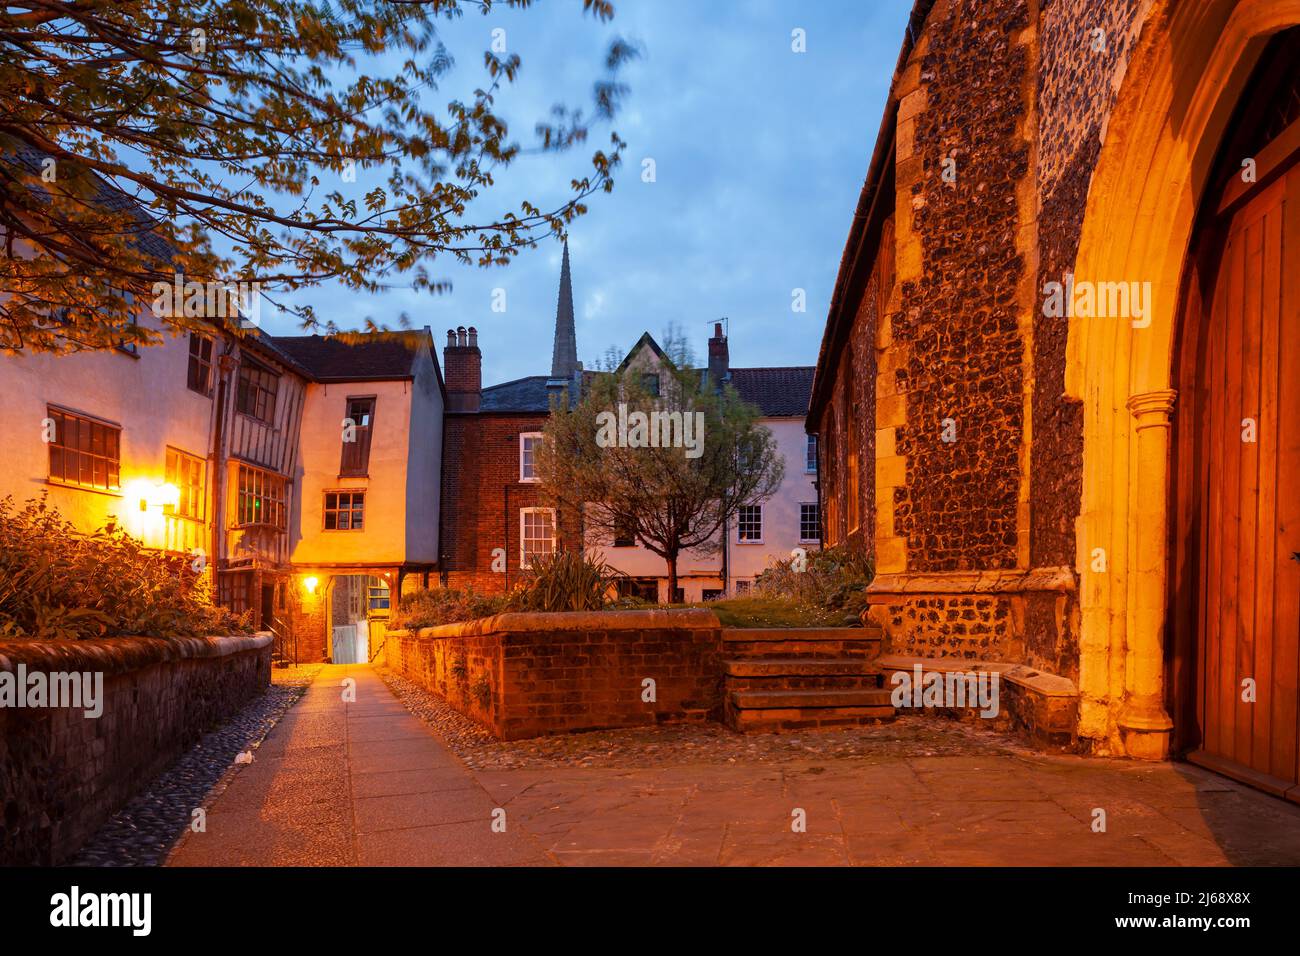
x=673, y=498
x=134, y=133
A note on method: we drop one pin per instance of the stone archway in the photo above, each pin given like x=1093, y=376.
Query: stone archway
x=1177, y=96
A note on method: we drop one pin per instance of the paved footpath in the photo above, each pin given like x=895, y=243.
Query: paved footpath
x=362, y=783
x=366, y=783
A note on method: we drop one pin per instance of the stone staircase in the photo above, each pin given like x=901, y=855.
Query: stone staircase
x=782, y=679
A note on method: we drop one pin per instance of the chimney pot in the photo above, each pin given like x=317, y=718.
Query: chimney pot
x=463, y=370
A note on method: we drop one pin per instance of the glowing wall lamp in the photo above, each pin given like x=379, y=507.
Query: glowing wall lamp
x=310, y=583
x=153, y=495
x=152, y=498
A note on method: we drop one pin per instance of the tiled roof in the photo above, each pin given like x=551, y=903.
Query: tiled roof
x=106, y=195
x=330, y=359
x=521, y=395
x=778, y=392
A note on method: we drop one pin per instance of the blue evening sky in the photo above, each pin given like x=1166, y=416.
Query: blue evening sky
x=760, y=153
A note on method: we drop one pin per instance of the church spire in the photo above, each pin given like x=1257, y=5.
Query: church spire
x=564, y=356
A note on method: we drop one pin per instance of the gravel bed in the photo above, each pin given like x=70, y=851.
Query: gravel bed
x=678, y=744
x=143, y=832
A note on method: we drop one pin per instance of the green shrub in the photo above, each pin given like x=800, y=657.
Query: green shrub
x=436, y=606
x=834, y=579
x=57, y=583
x=564, y=581
x=568, y=581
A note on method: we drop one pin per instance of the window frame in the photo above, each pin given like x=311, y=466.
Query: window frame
x=533, y=479
x=352, y=510
x=112, y=462
x=249, y=366
x=364, y=436
x=524, y=561
x=272, y=480
x=742, y=540
x=373, y=594
x=816, y=522
x=196, y=360
x=810, y=455
x=623, y=538
x=181, y=455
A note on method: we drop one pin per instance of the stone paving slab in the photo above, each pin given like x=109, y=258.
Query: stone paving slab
x=366, y=783
x=344, y=783
x=1006, y=810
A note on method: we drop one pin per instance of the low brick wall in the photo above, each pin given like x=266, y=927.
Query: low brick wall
x=525, y=675
x=62, y=774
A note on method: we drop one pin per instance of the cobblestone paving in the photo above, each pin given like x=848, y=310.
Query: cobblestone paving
x=142, y=832
x=691, y=743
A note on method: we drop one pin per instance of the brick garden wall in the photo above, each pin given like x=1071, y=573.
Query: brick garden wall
x=63, y=774
x=525, y=675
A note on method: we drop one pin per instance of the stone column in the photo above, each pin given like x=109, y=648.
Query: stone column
x=1143, y=721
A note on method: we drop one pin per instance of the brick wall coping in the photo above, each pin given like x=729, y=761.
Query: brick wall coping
x=679, y=619
x=1031, y=679
x=116, y=655
x=974, y=582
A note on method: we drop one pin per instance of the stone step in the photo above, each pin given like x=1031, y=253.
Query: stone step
x=801, y=642
x=804, y=699
x=801, y=673
x=752, y=712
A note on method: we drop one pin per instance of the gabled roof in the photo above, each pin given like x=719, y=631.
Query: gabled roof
x=780, y=392
x=522, y=395
x=646, y=340
x=330, y=359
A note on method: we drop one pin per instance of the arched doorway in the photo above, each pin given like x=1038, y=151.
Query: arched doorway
x=1235, y=596
x=1183, y=83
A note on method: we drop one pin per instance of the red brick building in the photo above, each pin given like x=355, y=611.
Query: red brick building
x=492, y=515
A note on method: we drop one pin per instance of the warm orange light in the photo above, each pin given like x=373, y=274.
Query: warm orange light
x=310, y=583
x=152, y=494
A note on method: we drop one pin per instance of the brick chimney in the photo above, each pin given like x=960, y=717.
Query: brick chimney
x=719, y=359
x=462, y=368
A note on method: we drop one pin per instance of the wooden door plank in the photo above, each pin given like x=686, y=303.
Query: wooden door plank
x=1248, y=451
x=1210, y=624
x=1261, y=743
x=1286, y=632
x=1229, y=515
